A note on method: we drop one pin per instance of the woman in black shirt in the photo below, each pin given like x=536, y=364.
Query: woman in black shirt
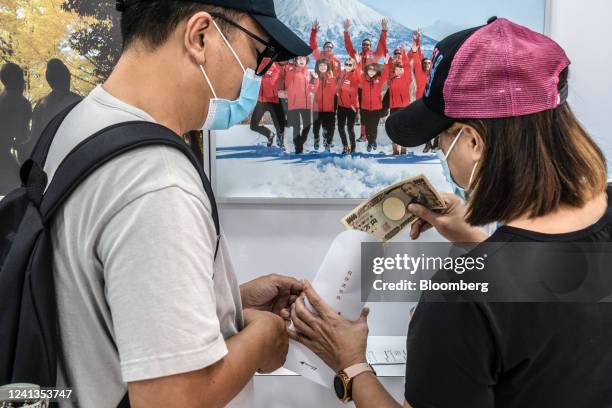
x=512, y=148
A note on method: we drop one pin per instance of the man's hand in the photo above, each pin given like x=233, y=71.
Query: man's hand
x=339, y=342
x=346, y=24
x=450, y=224
x=271, y=293
x=384, y=24
x=276, y=341
x=316, y=25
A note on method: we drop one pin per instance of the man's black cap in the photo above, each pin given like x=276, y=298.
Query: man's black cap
x=264, y=13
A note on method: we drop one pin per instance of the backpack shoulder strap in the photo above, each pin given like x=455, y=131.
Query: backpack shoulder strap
x=41, y=149
x=105, y=145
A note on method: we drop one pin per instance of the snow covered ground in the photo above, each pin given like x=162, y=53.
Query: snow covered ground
x=246, y=168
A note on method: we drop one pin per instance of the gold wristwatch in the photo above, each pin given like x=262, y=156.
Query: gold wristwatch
x=343, y=382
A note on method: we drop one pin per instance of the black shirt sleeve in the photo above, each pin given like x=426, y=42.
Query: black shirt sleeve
x=451, y=357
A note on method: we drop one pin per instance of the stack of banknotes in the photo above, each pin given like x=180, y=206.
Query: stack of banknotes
x=386, y=214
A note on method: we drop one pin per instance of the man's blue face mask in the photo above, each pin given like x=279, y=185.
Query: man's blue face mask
x=457, y=189
x=223, y=113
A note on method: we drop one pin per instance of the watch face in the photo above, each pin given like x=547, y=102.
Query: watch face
x=339, y=387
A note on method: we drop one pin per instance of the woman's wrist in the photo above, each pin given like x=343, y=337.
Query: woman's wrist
x=349, y=362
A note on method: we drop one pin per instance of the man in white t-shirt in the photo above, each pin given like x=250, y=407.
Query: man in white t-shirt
x=144, y=304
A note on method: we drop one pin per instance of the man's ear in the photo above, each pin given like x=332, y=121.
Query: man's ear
x=197, y=29
x=475, y=142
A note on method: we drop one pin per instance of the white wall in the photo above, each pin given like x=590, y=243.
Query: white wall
x=292, y=239
x=583, y=29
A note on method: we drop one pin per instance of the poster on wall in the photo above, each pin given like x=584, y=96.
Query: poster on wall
x=318, y=129
x=53, y=53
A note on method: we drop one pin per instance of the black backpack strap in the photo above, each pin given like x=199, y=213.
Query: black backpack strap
x=41, y=149
x=105, y=145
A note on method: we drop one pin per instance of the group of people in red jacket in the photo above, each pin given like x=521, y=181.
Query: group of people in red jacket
x=334, y=92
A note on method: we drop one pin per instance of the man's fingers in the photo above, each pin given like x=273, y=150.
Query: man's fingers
x=316, y=301
x=295, y=286
x=424, y=213
x=281, y=302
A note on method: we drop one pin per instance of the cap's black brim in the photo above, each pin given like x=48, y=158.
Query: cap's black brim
x=416, y=125
x=291, y=45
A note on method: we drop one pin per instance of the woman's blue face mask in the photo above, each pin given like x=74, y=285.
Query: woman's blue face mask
x=223, y=113
x=457, y=189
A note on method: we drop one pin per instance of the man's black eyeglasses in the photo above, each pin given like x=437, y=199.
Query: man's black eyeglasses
x=265, y=58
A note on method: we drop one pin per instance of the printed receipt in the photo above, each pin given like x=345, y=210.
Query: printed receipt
x=338, y=282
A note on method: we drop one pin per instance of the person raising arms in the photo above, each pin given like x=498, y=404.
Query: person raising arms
x=416, y=57
x=372, y=81
x=366, y=54
x=328, y=50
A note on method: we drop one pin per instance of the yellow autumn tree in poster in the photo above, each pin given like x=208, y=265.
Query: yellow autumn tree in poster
x=34, y=31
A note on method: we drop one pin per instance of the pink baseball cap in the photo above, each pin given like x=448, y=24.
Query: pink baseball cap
x=498, y=70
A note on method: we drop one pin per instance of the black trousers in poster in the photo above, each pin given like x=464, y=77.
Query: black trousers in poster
x=370, y=120
x=327, y=121
x=300, y=121
x=278, y=118
x=346, y=119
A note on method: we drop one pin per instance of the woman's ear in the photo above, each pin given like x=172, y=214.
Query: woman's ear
x=475, y=142
x=197, y=31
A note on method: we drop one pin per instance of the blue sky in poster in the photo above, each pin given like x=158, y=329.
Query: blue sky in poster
x=461, y=13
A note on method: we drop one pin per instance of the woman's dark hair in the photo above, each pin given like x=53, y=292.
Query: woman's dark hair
x=533, y=164
x=153, y=21
x=324, y=61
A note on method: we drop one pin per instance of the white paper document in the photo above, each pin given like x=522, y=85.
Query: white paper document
x=386, y=350
x=338, y=282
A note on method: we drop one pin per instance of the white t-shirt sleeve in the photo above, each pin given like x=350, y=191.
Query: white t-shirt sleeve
x=158, y=254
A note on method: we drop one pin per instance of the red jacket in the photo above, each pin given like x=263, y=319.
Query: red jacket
x=399, y=90
x=325, y=94
x=348, y=89
x=421, y=76
x=336, y=64
x=297, y=84
x=270, y=85
x=371, y=90
x=367, y=57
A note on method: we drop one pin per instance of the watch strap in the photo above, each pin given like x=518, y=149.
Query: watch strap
x=354, y=370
